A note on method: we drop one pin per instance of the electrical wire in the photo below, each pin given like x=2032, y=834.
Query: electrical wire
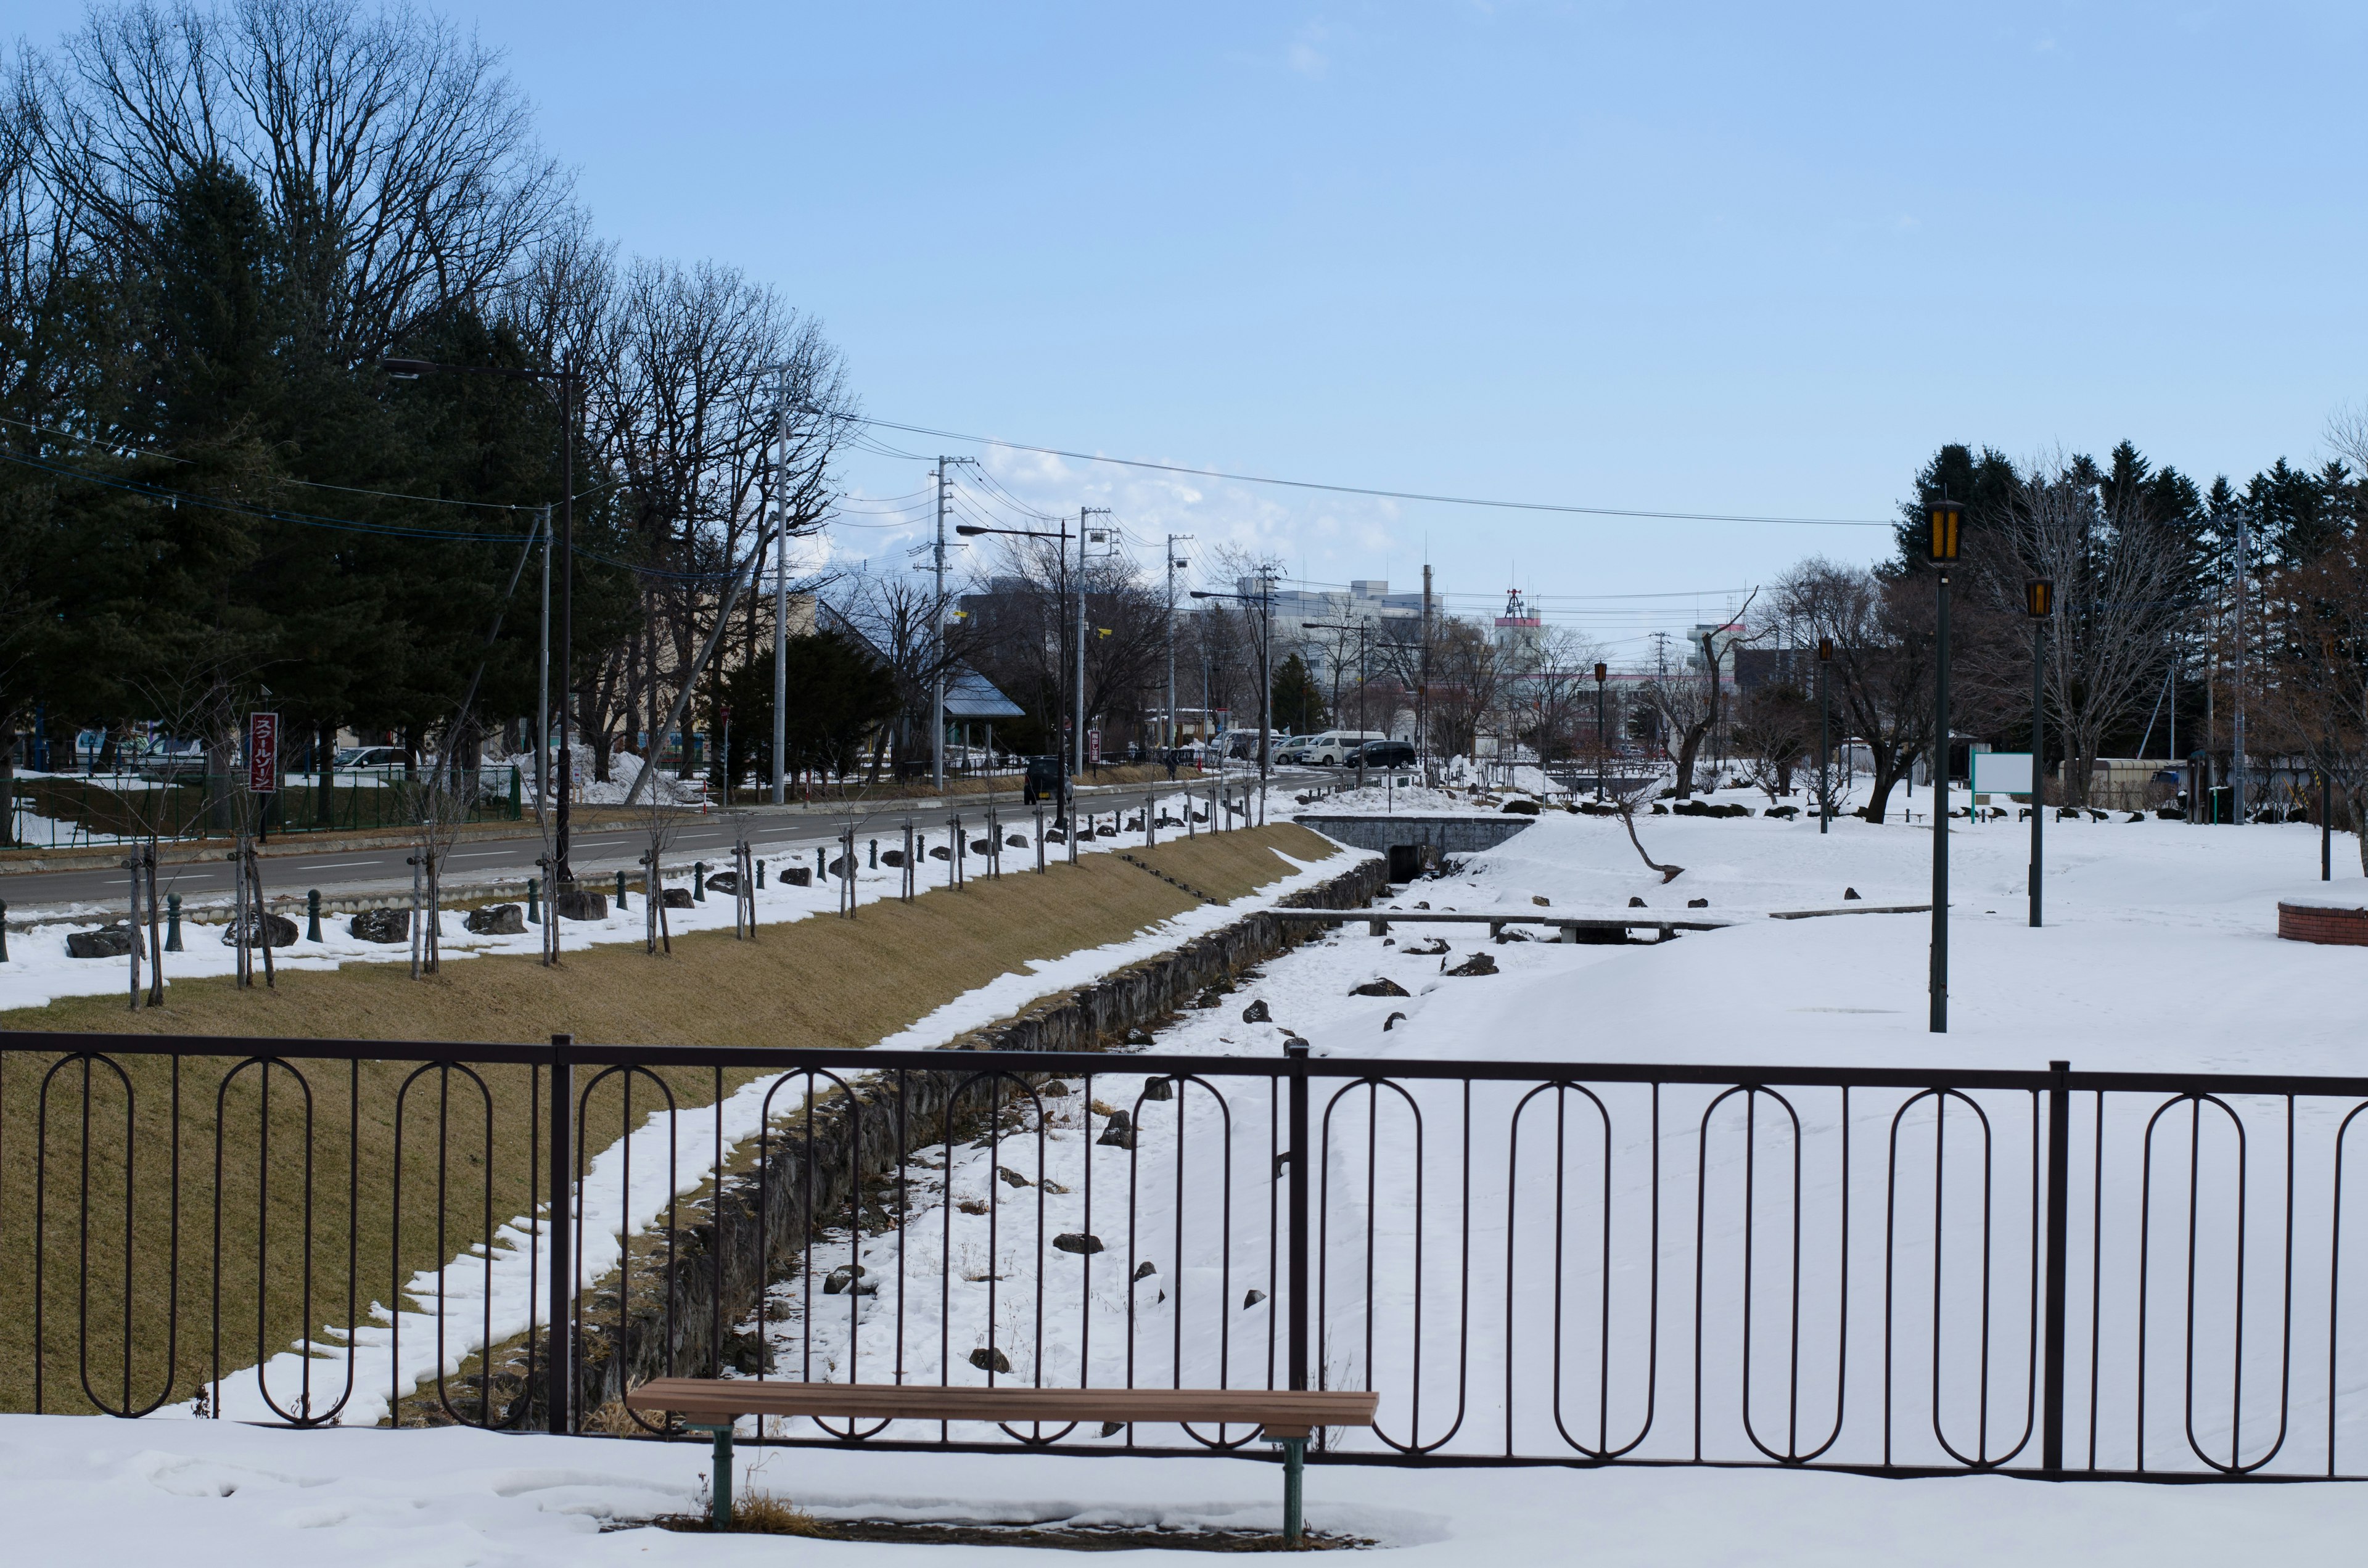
x=1373, y=491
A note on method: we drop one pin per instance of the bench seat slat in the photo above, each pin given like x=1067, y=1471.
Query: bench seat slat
x=1281, y=1411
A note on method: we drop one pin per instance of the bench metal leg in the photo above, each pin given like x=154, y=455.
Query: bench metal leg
x=720, y=1489
x=1295, y=1461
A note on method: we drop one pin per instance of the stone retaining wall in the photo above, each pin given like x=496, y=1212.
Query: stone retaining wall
x=830, y=1168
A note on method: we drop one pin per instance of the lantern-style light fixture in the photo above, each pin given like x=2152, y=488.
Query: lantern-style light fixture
x=2039, y=598
x=1600, y=671
x=1946, y=515
x=1824, y=649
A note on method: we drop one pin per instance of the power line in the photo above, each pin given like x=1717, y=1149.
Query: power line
x=1374, y=491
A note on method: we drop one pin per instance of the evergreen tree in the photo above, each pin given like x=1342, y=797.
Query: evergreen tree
x=1298, y=699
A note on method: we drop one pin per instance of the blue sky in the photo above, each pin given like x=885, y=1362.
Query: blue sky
x=1725, y=258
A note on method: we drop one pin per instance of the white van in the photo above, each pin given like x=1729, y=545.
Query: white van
x=1333, y=747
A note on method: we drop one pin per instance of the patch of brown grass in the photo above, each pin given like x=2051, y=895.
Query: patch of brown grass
x=156, y=1132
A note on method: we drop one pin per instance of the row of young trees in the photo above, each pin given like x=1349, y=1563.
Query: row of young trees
x=216, y=221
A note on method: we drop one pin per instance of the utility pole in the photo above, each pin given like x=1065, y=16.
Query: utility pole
x=1422, y=692
x=938, y=646
x=2236, y=686
x=562, y=873
x=2038, y=604
x=781, y=603
x=1083, y=513
x=1173, y=562
x=542, y=682
x=1825, y=737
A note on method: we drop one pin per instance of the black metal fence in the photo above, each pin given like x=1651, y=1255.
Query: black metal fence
x=62, y=811
x=1900, y=1271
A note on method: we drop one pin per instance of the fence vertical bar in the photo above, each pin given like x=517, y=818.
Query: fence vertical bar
x=2059, y=1176
x=559, y=1394
x=1297, y=1053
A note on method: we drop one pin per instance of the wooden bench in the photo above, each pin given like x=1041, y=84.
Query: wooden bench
x=1285, y=1416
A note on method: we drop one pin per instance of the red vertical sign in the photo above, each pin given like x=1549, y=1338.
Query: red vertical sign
x=263, y=753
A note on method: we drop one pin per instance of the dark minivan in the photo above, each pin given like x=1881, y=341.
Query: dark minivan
x=1386, y=753
x=1045, y=781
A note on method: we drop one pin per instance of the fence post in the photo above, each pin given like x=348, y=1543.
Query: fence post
x=1297, y=1050
x=559, y=1393
x=2059, y=1176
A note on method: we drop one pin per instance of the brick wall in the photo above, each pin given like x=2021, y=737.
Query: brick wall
x=2302, y=923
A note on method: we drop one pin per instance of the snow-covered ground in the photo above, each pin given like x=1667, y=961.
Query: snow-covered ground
x=2159, y=954
x=80, y=1490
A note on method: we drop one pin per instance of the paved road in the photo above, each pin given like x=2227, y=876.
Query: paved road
x=597, y=853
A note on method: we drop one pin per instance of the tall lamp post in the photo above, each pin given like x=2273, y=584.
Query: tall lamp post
x=1945, y=517
x=571, y=389
x=2038, y=603
x=1602, y=738
x=1825, y=737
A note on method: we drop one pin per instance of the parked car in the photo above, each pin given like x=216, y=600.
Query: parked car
x=1385, y=753
x=369, y=757
x=1291, y=748
x=1336, y=746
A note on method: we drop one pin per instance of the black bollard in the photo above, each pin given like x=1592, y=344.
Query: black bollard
x=172, y=922
x=312, y=914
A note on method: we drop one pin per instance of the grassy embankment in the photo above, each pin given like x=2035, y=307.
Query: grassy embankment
x=821, y=982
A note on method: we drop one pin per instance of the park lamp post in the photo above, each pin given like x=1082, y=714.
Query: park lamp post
x=2326, y=777
x=971, y=530
x=1603, y=740
x=1946, y=516
x=1264, y=599
x=2039, y=603
x=571, y=388
x=1825, y=737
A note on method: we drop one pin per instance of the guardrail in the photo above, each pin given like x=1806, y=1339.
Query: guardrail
x=1896, y=1271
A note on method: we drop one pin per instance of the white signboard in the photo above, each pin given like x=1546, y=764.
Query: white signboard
x=2001, y=773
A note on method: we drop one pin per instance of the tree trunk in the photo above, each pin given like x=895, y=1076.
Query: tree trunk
x=1878, y=795
x=1686, y=755
x=2359, y=812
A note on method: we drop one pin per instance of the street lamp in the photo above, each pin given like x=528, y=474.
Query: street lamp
x=571, y=390
x=1946, y=516
x=1264, y=599
x=971, y=530
x=1603, y=740
x=2039, y=603
x=1824, y=738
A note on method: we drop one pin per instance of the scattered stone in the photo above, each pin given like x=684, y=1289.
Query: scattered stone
x=1077, y=1242
x=1851, y=895
x=1660, y=810
x=837, y=868
x=1159, y=1089
x=675, y=898
x=1381, y=986
x=988, y=1358
x=1138, y=1037
x=1119, y=1120
x=279, y=930
x=1054, y=835
x=894, y=858
x=581, y=904
x=972, y=1206
x=1117, y=1137
x=1055, y=1090
x=497, y=920
x=1429, y=950
x=940, y=852
x=1635, y=902
x=1520, y=808
x=1112, y=1428
x=2137, y=816
x=837, y=1281
x=1393, y=1021
x=1697, y=904
x=724, y=882
x=383, y=926
x=1782, y=813
x=107, y=942
x=1015, y=841
x=1256, y=1013
x=1424, y=903
x=1252, y=1300
x=1011, y=1177
x=1478, y=963
x=1049, y=1185
x=1541, y=901
x=1145, y=1270
x=979, y=847
x=803, y=876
